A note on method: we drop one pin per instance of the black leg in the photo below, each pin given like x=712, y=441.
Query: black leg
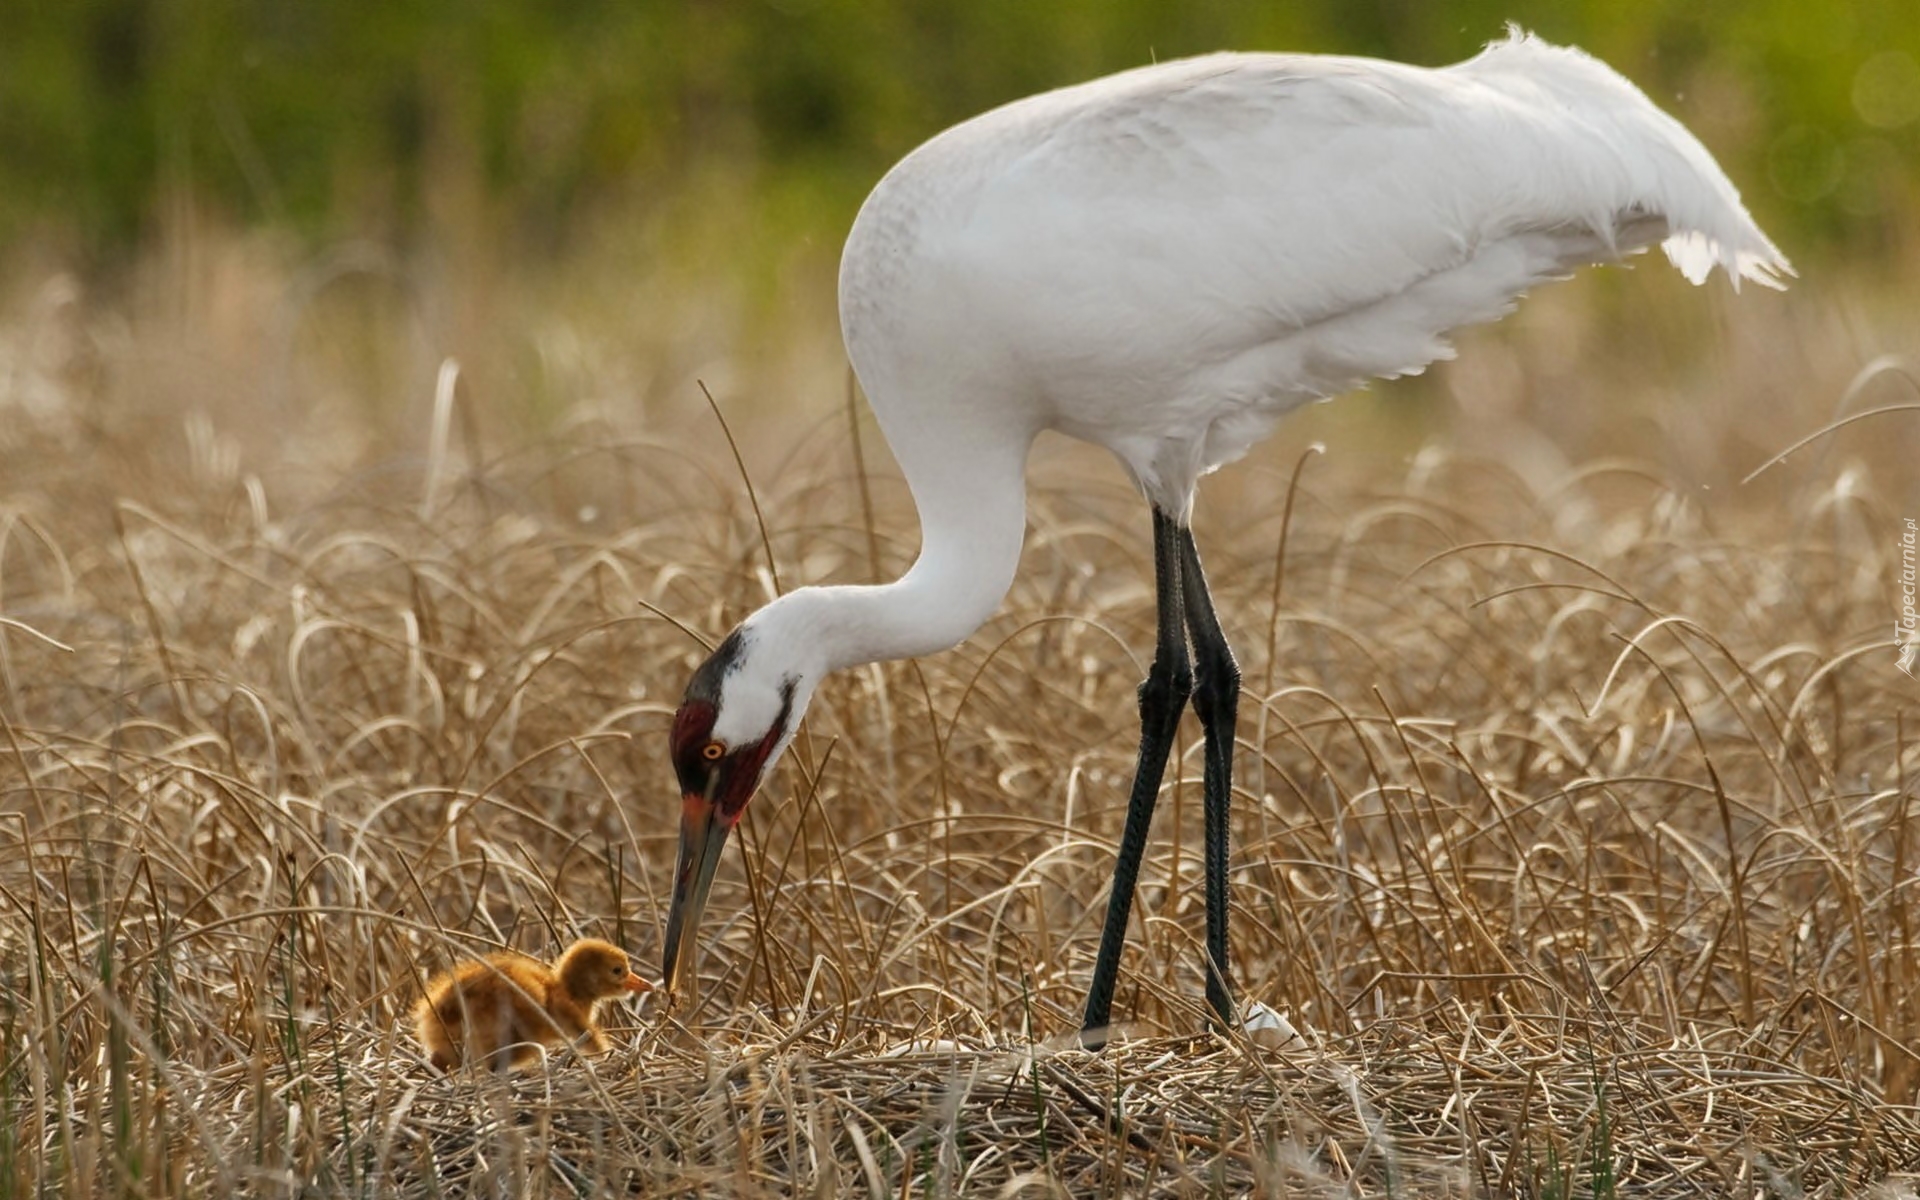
x=1162, y=697
x=1216, y=701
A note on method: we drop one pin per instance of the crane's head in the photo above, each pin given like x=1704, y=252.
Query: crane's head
x=741, y=709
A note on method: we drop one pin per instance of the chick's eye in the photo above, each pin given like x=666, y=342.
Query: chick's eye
x=712, y=751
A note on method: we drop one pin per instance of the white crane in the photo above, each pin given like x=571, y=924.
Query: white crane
x=1163, y=262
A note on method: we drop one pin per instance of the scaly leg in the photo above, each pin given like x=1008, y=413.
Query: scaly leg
x=1216, y=701
x=1162, y=698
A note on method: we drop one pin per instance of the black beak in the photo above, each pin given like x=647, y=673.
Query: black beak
x=703, y=831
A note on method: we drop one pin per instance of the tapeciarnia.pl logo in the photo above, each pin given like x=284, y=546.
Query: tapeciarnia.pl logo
x=1906, y=630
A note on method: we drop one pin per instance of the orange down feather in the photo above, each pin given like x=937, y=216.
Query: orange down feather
x=501, y=1009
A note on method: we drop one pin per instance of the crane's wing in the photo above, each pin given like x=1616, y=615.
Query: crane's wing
x=1272, y=226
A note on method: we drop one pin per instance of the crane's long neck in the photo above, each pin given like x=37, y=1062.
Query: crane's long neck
x=970, y=488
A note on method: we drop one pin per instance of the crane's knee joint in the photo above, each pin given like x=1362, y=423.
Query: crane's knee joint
x=1165, y=687
x=1216, y=688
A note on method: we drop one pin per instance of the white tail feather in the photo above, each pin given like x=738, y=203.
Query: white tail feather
x=1639, y=160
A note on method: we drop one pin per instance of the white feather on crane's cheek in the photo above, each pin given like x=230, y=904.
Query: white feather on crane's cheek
x=746, y=712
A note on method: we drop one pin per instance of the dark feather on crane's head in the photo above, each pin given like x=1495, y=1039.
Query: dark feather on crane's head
x=693, y=723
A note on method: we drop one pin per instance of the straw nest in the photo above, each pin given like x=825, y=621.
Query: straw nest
x=1507, y=1104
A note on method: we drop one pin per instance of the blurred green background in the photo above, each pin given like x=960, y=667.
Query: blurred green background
x=533, y=123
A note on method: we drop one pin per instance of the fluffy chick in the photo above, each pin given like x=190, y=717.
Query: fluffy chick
x=494, y=1011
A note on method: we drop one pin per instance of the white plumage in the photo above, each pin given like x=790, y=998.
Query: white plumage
x=1164, y=262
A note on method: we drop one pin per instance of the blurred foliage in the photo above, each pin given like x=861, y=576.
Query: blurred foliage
x=391, y=118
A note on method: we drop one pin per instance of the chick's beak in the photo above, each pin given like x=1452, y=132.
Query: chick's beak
x=637, y=985
x=703, y=831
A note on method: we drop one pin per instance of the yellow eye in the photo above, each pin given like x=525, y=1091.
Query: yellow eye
x=712, y=751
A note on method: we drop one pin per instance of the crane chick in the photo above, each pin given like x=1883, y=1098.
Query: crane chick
x=501, y=1009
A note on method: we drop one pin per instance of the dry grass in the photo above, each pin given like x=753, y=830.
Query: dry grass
x=1573, y=822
